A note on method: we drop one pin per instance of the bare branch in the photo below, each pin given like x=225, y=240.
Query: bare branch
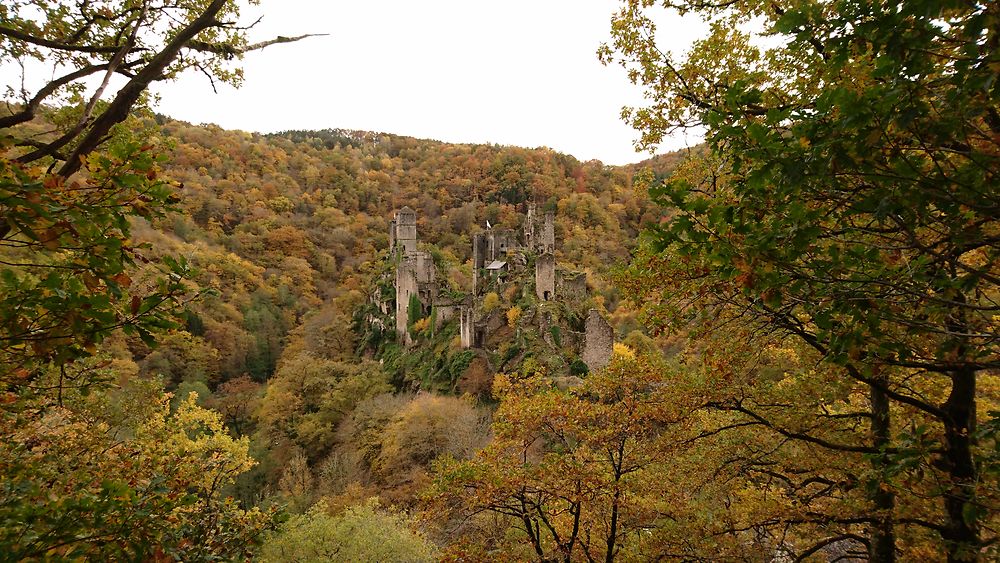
x=230, y=51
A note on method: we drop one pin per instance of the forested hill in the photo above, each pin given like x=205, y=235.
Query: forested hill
x=282, y=226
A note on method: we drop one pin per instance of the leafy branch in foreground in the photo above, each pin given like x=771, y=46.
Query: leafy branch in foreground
x=68, y=261
x=850, y=202
x=74, y=177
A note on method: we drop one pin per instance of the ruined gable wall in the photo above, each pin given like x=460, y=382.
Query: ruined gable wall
x=598, y=341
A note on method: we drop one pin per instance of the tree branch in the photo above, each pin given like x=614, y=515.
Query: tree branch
x=42, y=42
x=229, y=51
x=118, y=110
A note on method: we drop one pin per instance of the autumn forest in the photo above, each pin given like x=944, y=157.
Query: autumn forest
x=779, y=344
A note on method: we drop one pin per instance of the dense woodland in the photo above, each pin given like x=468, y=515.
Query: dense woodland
x=805, y=308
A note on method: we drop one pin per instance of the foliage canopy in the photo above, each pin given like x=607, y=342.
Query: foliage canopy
x=850, y=200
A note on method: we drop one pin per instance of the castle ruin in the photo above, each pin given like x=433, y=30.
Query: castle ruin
x=496, y=255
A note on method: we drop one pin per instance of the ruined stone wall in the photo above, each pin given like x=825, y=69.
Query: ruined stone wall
x=466, y=325
x=479, y=249
x=424, y=267
x=571, y=286
x=529, y=227
x=598, y=341
x=545, y=277
x=446, y=309
x=406, y=286
x=547, y=236
x=502, y=241
x=416, y=273
x=406, y=230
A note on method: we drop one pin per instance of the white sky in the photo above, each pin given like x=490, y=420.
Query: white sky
x=512, y=72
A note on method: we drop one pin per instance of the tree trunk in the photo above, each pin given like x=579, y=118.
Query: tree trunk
x=883, y=539
x=962, y=525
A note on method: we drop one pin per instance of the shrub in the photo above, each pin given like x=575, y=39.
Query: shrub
x=578, y=367
x=490, y=302
x=623, y=351
x=364, y=533
x=513, y=314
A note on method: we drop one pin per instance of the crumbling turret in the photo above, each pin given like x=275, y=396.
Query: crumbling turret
x=415, y=274
x=403, y=231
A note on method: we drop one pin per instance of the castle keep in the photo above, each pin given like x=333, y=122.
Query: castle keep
x=497, y=255
x=416, y=284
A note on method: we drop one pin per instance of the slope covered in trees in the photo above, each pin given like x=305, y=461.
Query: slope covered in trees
x=277, y=237
x=825, y=271
x=283, y=227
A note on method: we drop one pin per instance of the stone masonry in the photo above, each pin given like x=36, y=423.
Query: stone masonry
x=598, y=341
x=545, y=277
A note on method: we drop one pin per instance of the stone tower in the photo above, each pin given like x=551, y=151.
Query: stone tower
x=406, y=230
x=406, y=287
x=529, y=227
x=414, y=270
x=547, y=238
x=545, y=277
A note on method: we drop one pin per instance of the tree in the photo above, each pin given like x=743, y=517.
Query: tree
x=364, y=533
x=143, y=42
x=570, y=473
x=850, y=200
x=118, y=476
x=308, y=397
x=64, y=240
x=68, y=265
x=75, y=171
x=237, y=400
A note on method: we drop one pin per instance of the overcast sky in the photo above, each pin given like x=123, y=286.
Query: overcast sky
x=512, y=72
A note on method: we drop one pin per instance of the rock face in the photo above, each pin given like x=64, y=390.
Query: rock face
x=598, y=341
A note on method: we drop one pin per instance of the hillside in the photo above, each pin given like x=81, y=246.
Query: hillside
x=283, y=226
x=287, y=235
x=783, y=345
